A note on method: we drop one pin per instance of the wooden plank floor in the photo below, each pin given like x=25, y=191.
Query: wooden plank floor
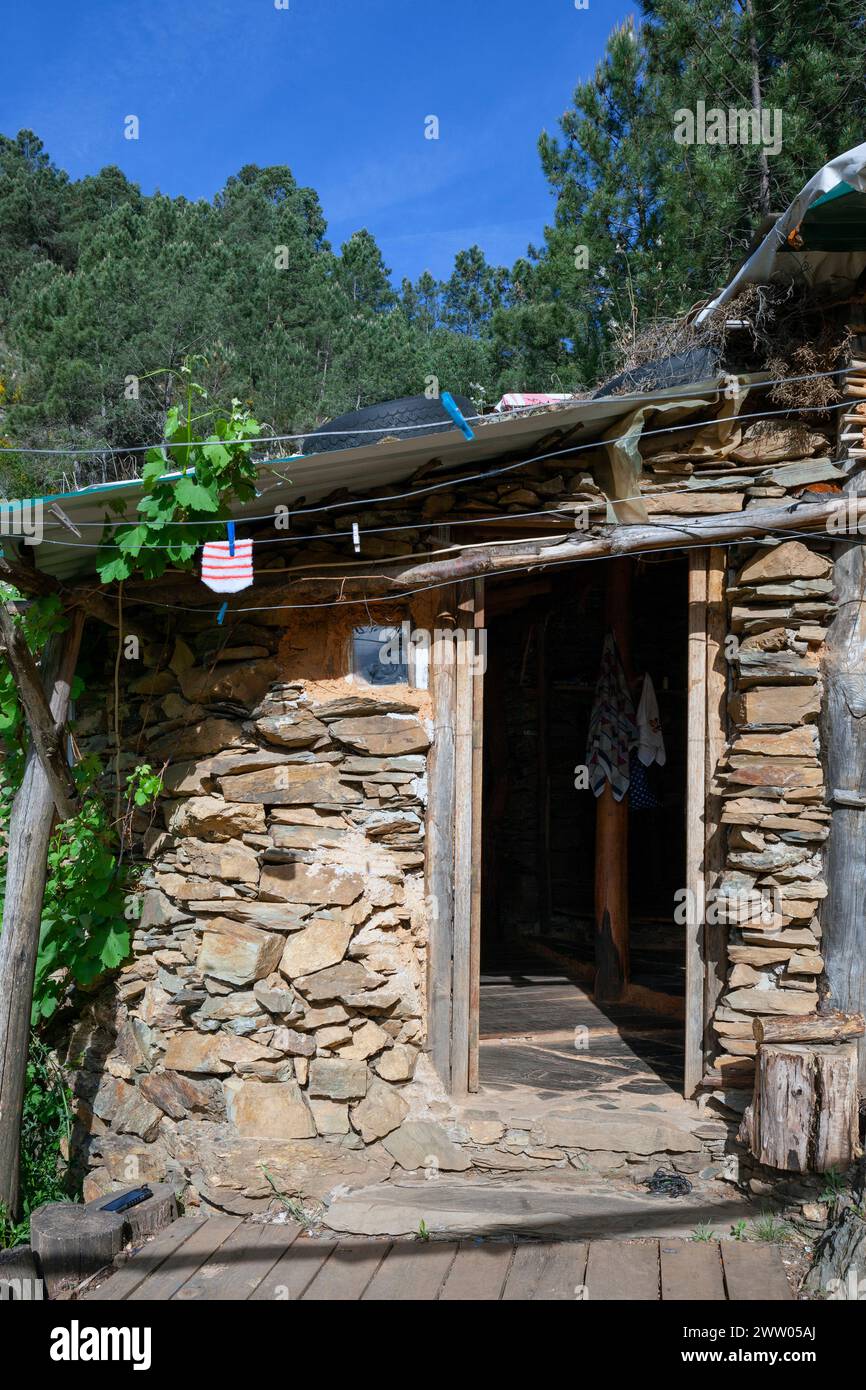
x=224, y=1258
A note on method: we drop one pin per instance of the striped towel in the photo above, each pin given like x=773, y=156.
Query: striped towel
x=226, y=573
x=612, y=729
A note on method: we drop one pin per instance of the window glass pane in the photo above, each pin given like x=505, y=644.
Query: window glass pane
x=378, y=657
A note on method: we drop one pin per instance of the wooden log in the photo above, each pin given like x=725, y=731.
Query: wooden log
x=715, y=941
x=145, y=1218
x=696, y=773
x=72, y=1241
x=462, y=846
x=440, y=844
x=26, y=871
x=843, y=734
x=611, y=829
x=838, y=1130
x=478, y=685
x=534, y=554
x=804, y=1113
x=47, y=737
x=828, y=1028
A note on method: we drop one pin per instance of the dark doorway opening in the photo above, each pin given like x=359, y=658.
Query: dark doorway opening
x=539, y=1022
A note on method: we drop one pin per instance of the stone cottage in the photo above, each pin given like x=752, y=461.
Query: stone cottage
x=375, y=814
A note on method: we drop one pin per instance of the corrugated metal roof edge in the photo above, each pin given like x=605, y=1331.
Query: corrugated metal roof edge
x=366, y=467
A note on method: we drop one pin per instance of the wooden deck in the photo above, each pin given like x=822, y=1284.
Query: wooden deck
x=225, y=1258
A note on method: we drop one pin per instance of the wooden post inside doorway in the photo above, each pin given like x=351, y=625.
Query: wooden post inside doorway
x=611, y=822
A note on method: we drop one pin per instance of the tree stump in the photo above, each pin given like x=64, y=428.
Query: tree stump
x=804, y=1113
x=146, y=1218
x=73, y=1241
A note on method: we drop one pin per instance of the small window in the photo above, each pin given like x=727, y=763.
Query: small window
x=379, y=656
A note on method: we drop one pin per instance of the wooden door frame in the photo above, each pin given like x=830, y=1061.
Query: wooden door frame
x=455, y=828
x=454, y=847
x=706, y=723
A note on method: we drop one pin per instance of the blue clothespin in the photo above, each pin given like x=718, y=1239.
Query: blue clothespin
x=456, y=415
x=230, y=528
x=221, y=614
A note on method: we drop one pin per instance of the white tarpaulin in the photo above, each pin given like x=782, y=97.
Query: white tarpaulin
x=774, y=261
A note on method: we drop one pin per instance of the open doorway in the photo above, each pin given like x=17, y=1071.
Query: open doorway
x=540, y=1024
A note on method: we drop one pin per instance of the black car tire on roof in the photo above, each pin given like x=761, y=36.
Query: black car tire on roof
x=373, y=422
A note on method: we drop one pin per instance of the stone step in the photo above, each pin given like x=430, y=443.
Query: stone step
x=553, y=1204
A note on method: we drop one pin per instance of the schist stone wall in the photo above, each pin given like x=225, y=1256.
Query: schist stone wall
x=775, y=807
x=272, y=1012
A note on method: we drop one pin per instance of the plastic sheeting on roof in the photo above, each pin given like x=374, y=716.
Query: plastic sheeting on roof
x=775, y=259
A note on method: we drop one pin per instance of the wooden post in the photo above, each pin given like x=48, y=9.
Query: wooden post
x=26, y=873
x=462, y=961
x=611, y=825
x=696, y=786
x=477, y=830
x=715, y=963
x=440, y=843
x=843, y=734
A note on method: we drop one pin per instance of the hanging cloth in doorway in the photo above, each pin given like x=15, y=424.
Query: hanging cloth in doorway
x=650, y=742
x=612, y=728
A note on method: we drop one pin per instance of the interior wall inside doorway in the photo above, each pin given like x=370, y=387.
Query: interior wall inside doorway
x=544, y=652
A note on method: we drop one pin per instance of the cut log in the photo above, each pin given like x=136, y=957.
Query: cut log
x=145, y=1218
x=72, y=1241
x=804, y=1113
x=827, y=1028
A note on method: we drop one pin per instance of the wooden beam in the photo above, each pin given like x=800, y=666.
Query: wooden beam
x=696, y=770
x=611, y=826
x=791, y=517
x=478, y=682
x=462, y=955
x=440, y=844
x=46, y=736
x=26, y=873
x=829, y=1028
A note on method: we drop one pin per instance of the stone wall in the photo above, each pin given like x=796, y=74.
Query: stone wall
x=775, y=806
x=272, y=1011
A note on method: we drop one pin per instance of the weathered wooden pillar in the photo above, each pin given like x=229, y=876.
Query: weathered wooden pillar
x=611, y=823
x=843, y=735
x=440, y=839
x=26, y=873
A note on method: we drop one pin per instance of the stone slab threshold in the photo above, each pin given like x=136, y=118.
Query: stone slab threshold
x=554, y=1204
x=226, y=1259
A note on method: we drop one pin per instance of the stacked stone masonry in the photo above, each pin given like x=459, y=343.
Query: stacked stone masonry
x=269, y=1030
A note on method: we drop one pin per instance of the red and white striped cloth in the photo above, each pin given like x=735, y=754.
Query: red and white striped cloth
x=226, y=573
x=514, y=400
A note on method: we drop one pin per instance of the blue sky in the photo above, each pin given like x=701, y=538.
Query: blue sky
x=337, y=89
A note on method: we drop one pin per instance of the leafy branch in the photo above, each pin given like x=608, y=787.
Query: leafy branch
x=188, y=484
